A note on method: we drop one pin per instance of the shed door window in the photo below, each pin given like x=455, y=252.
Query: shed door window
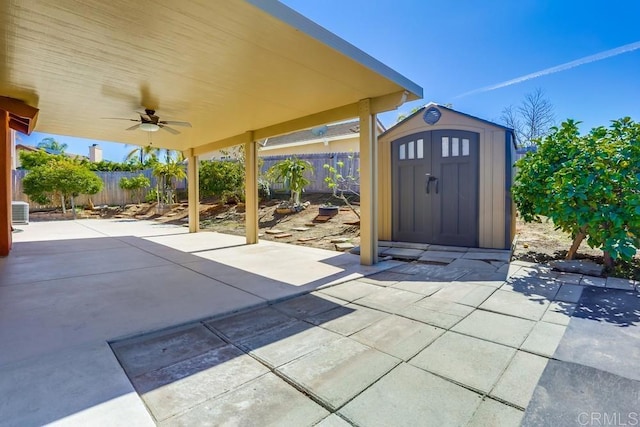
x=420, y=149
x=465, y=147
x=455, y=147
x=403, y=152
x=445, y=146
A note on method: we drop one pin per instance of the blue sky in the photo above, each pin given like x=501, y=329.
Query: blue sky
x=455, y=47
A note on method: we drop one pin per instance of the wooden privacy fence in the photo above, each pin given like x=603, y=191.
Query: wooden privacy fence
x=317, y=160
x=111, y=193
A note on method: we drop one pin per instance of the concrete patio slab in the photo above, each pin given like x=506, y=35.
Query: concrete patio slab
x=386, y=278
x=174, y=389
x=402, y=253
x=618, y=283
x=544, y=339
x=472, y=264
x=154, y=351
x=54, y=388
x=390, y=300
x=516, y=304
x=572, y=394
x=393, y=401
x=503, y=256
x=348, y=319
x=350, y=291
x=451, y=356
x=339, y=371
x=495, y=414
x=266, y=401
x=400, y=337
x=518, y=381
x=592, y=281
x=498, y=328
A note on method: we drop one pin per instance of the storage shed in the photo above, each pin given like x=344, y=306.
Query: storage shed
x=445, y=178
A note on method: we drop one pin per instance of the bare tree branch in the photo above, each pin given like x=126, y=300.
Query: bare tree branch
x=532, y=119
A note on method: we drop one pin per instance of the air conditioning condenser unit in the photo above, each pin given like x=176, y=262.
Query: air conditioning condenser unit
x=20, y=212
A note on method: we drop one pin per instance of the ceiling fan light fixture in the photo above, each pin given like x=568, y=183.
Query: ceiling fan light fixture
x=149, y=127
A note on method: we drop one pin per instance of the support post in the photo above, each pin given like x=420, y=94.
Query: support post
x=368, y=184
x=5, y=184
x=251, y=188
x=193, y=187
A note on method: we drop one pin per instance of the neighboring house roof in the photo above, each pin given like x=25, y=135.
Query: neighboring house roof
x=32, y=148
x=317, y=134
x=433, y=104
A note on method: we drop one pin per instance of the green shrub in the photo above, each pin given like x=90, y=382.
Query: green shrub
x=588, y=185
x=223, y=179
x=135, y=185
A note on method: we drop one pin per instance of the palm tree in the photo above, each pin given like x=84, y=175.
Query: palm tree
x=167, y=174
x=142, y=153
x=51, y=146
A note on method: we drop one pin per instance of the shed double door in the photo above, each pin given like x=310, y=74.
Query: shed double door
x=435, y=188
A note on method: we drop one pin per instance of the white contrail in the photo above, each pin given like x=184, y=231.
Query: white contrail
x=587, y=59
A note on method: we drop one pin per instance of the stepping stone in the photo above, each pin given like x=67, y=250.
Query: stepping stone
x=344, y=246
x=580, y=266
x=306, y=239
x=300, y=228
x=403, y=253
x=340, y=240
x=352, y=222
x=322, y=218
x=282, y=235
x=309, y=224
x=274, y=231
x=409, y=245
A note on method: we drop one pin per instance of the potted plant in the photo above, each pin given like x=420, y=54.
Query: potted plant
x=328, y=209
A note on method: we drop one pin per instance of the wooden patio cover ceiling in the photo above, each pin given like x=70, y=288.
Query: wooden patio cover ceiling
x=226, y=66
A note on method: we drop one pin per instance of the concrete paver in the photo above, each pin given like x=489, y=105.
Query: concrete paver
x=348, y=319
x=140, y=355
x=265, y=401
x=559, y=312
x=443, y=314
x=471, y=361
x=390, y=300
x=518, y=381
x=307, y=305
x=279, y=346
x=544, y=339
x=498, y=328
x=495, y=414
x=246, y=325
x=350, y=291
x=464, y=293
x=516, y=304
x=393, y=401
x=338, y=371
x=179, y=387
x=398, y=336
x=569, y=293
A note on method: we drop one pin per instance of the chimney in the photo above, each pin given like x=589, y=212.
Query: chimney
x=95, y=153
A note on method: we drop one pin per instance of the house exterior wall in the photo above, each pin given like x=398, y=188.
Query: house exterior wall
x=495, y=226
x=334, y=146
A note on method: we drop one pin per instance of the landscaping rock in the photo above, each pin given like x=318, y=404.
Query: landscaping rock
x=282, y=235
x=340, y=240
x=579, y=266
x=300, y=228
x=274, y=231
x=344, y=246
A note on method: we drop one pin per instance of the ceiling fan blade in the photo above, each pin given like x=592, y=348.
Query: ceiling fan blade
x=170, y=130
x=134, y=127
x=118, y=118
x=144, y=116
x=175, y=123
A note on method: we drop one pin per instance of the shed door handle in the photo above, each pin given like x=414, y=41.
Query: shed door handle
x=429, y=179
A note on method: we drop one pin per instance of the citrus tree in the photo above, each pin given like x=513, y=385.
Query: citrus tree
x=588, y=185
x=291, y=172
x=60, y=177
